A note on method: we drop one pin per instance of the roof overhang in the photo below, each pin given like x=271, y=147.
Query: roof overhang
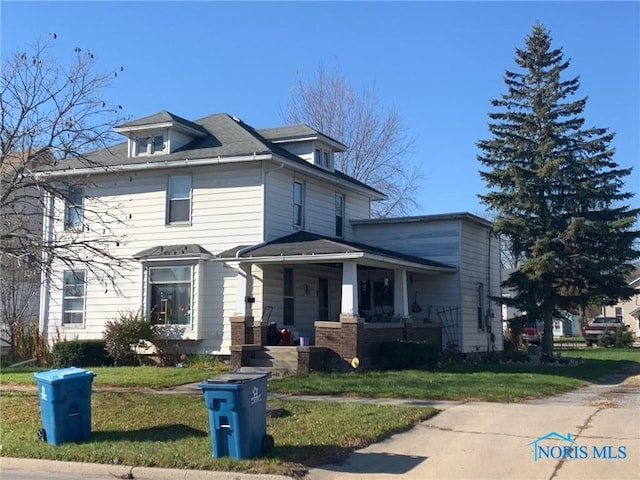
x=154, y=165
x=172, y=253
x=362, y=258
x=158, y=126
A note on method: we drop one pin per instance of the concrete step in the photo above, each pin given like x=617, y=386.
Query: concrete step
x=277, y=360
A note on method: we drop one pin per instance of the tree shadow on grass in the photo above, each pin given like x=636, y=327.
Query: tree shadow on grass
x=160, y=433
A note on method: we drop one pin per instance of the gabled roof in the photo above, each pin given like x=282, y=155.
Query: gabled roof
x=313, y=248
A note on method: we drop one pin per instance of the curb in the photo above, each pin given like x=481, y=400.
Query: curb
x=122, y=471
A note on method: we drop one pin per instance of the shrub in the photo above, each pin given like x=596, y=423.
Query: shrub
x=80, y=353
x=404, y=354
x=124, y=334
x=30, y=343
x=621, y=338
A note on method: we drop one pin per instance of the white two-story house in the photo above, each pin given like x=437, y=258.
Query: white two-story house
x=224, y=224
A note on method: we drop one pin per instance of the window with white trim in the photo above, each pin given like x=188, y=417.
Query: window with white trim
x=150, y=145
x=73, y=294
x=74, y=209
x=298, y=204
x=170, y=290
x=179, y=199
x=339, y=215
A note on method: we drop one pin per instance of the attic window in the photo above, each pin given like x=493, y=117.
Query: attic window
x=150, y=145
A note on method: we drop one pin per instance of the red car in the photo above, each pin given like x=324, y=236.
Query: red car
x=532, y=335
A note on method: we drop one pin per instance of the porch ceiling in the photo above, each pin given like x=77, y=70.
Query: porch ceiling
x=305, y=247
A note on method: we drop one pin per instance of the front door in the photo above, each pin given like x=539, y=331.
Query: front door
x=323, y=299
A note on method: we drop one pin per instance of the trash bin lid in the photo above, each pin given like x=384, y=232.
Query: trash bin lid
x=62, y=374
x=237, y=377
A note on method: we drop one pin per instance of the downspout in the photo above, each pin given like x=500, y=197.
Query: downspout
x=45, y=274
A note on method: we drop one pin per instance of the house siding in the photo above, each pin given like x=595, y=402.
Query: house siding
x=226, y=211
x=319, y=206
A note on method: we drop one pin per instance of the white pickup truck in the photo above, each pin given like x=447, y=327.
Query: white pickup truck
x=599, y=326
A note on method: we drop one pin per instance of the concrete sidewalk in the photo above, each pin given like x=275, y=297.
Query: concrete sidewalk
x=478, y=440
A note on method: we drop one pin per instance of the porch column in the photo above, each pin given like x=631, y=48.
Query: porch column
x=400, y=293
x=243, y=286
x=349, y=305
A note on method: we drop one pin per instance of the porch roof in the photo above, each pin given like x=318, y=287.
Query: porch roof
x=305, y=247
x=171, y=252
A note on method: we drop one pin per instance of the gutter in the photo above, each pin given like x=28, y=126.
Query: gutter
x=131, y=167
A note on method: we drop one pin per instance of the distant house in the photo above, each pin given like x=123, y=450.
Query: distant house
x=230, y=228
x=628, y=310
x=21, y=217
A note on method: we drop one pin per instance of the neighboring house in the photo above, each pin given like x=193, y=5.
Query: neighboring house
x=629, y=310
x=20, y=223
x=228, y=228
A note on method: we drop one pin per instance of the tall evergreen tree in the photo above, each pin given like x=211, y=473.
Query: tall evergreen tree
x=556, y=190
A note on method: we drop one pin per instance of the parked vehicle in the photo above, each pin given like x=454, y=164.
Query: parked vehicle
x=599, y=326
x=532, y=335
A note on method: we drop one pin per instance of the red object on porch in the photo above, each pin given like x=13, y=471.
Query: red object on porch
x=285, y=337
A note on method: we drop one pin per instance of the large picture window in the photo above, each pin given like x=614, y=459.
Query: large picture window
x=73, y=292
x=179, y=199
x=73, y=209
x=170, y=291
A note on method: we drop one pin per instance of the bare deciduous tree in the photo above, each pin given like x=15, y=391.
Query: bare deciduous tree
x=50, y=115
x=375, y=137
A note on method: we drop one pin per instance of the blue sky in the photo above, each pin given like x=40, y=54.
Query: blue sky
x=437, y=63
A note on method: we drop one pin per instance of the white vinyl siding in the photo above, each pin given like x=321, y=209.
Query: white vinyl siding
x=226, y=212
x=319, y=206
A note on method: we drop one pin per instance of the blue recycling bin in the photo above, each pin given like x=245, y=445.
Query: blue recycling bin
x=237, y=404
x=65, y=404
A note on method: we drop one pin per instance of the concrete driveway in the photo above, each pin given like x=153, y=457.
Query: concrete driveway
x=592, y=433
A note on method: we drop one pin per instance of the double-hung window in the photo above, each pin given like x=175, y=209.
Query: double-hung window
x=298, y=204
x=179, y=199
x=73, y=293
x=339, y=215
x=74, y=209
x=170, y=290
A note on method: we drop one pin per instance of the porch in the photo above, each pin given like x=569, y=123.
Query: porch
x=337, y=344
x=347, y=298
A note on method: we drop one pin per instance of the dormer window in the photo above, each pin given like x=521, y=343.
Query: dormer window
x=322, y=158
x=150, y=145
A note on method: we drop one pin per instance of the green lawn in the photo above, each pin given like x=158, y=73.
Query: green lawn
x=486, y=382
x=172, y=430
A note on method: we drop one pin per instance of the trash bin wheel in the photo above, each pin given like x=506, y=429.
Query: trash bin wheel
x=41, y=434
x=267, y=443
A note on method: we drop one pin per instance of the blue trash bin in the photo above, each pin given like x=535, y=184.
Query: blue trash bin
x=237, y=404
x=65, y=404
